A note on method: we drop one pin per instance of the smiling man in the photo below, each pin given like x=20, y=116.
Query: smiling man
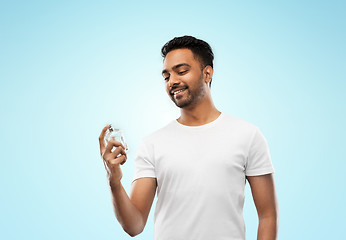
x=198, y=164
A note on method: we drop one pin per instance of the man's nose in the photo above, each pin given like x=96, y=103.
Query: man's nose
x=173, y=80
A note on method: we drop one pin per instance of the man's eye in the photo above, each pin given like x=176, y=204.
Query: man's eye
x=166, y=78
x=182, y=72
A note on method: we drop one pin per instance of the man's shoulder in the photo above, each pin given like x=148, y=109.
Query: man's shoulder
x=239, y=123
x=160, y=133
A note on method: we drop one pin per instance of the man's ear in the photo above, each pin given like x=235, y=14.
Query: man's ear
x=208, y=74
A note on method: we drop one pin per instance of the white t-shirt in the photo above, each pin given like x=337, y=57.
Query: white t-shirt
x=201, y=173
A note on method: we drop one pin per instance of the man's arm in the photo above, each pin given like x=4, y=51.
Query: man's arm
x=132, y=212
x=263, y=193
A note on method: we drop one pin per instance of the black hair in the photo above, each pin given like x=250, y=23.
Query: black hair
x=201, y=50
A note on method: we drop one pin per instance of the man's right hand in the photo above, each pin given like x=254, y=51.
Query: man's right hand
x=131, y=211
x=112, y=157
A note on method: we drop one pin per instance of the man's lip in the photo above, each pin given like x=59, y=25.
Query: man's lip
x=179, y=93
x=177, y=89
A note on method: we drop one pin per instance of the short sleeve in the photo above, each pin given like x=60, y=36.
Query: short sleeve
x=143, y=163
x=259, y=159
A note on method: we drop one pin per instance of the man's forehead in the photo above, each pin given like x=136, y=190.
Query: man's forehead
x=178, y=56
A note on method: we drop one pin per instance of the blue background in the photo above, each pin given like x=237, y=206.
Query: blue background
x=70, y=67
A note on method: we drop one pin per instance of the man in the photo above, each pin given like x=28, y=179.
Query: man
x=198, y=163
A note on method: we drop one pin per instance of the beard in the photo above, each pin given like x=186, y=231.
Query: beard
x=191, y=96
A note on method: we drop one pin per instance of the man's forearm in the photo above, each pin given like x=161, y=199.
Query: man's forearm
x=267, y=228
x=127, y=214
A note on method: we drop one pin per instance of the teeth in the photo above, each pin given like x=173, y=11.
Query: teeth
x=178, y=91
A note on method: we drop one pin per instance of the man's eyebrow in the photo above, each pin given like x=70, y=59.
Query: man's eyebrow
x=175, y=67
x=180, y=65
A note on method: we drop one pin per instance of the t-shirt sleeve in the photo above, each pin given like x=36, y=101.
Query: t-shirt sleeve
x=259, y=159
x=144, y=163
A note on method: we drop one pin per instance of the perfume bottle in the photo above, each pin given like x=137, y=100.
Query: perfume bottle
x=117, y=135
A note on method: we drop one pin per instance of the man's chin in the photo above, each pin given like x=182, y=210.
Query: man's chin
x=181, y=104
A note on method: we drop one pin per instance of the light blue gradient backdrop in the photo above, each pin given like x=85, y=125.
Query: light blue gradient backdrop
x=69, y=67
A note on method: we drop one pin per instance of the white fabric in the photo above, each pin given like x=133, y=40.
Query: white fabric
x=201, y=173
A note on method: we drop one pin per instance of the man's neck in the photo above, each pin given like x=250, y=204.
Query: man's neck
x=199, y=115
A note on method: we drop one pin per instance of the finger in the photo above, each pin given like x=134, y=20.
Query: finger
x=102, y=137
x=123, y=161
x=112, y=155
x=117, y=151
x=118, y=160
x=112, y=143
x=117, y=142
